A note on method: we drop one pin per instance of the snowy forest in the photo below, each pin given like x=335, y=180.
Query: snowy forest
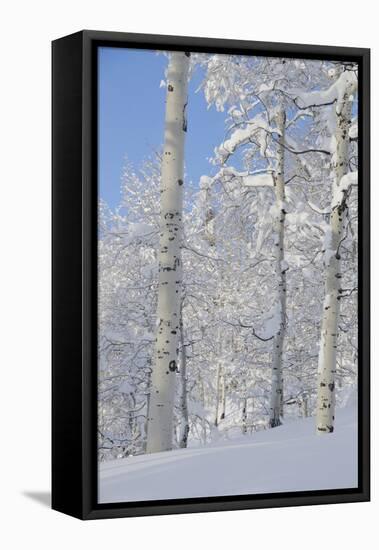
x=227, y=316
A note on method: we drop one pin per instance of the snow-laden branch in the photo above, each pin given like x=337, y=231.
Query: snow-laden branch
x=320, y=98
x=346, y=182
x=257, y=131
x=353, y=131
x=241, y=136
x=250, y=327
x=298, y=115
x=247, y=179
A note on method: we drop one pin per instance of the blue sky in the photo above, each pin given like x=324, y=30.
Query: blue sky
x=131, y=117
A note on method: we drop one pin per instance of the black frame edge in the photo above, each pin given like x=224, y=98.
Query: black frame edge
x=364, y=387
x=198, y=43
x=67, y=421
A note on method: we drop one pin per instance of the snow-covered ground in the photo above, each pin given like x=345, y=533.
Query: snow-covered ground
x=287, y=458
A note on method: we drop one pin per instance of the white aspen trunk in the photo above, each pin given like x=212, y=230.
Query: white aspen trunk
x=209, y=222
x=132, y=406
x=305, y=406
x=184, y=422
x=276, y=401
x=218, y=386
x=203, y=402
x=162, y=395
x=220, y=368
x=147, y=404
x=244, y=415
x=223, y=397
x=330, y=317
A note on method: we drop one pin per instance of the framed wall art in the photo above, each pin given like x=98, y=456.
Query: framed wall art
x=210, y=274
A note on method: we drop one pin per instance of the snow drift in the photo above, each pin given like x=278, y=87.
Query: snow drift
x=245, y=465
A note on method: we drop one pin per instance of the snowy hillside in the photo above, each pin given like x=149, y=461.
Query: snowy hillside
x=246, y=465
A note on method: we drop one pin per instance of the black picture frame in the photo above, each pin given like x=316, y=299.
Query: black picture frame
x=74, y=271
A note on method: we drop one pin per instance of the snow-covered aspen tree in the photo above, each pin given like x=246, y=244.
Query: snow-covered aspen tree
x=162, y=391
x=276, y=400
x=346, y=87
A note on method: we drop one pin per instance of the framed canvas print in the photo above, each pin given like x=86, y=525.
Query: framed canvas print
x=210, y=274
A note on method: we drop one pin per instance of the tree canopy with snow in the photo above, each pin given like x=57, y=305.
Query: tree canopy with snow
x=227, y=248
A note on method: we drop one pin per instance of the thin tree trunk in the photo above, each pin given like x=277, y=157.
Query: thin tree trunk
x=331, y=308
x=161, y=410
x=218, y=386
x=276, y=401
x=305, y=405
x=244, y=415
x=203, y=420
x=148, y=396
x=223, y=397
x=184, y=422
x=209, y=221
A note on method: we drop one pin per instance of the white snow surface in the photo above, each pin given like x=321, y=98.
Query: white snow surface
x=288, y=458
